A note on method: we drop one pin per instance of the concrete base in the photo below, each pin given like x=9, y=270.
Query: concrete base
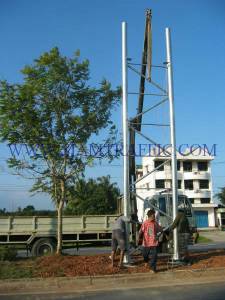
x=110, y=282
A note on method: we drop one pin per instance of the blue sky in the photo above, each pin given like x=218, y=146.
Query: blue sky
x=28, y=28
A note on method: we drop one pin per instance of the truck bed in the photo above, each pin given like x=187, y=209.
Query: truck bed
x=20, y=229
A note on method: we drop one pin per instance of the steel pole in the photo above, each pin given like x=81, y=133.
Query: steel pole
x=173, y=139
x=125, y=133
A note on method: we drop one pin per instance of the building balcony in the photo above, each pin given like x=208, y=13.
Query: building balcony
x=162, y=175
x=198, y=193
x=196, y=175
x=205, y=205
x=167, y=175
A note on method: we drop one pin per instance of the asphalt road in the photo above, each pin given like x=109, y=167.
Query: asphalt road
x=107, y=250
x=214, y=235
x=205, y=247
x=215, y=291
x=72, y=251
x=217, y=237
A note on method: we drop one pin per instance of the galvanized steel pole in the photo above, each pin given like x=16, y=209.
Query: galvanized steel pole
x=125, y=130
x=173, y=139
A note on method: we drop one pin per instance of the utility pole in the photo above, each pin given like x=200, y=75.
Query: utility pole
x=126, y=195
x=172, y=138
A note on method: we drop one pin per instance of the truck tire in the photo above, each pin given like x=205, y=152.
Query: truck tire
x=43, y=246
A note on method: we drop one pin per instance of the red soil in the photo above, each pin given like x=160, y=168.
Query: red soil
x=52, y=266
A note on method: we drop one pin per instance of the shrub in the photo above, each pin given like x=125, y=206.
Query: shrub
x=7, y=253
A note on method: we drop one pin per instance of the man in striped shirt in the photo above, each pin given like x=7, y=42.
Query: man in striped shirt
x=148, y=233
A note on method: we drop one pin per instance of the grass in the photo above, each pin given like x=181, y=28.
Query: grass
x=10, y=270
x=203, y=240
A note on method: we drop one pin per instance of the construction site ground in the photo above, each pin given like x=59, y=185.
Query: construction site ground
x=52, y=273
x=70, y=266
x=94, y=272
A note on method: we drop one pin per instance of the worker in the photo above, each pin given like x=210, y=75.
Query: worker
x=119, y=238
x=182, y=224
x=157, y=217
x=148, y=234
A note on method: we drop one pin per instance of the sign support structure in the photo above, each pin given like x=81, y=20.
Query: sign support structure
x=133, y=126
x=173, y=139
x=126, y=195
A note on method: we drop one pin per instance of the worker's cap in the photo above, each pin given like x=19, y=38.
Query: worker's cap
x=151, y=212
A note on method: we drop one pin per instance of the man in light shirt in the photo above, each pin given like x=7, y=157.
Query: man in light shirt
x=119, y=238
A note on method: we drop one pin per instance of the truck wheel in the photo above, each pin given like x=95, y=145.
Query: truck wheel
x=43, y=246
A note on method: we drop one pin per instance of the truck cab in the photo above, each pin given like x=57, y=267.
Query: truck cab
x=163, y=205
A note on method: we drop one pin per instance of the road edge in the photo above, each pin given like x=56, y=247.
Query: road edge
x=110, y=282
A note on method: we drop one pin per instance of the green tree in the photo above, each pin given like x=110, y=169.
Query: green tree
x=3, y=212
x=221, y=195
x=53, y=115
x=93, y=197
x=29, y=210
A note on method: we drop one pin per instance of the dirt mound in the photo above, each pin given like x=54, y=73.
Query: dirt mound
x=53, y=266
x=72, y=266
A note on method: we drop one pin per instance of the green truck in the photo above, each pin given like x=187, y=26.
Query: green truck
x=39, y=234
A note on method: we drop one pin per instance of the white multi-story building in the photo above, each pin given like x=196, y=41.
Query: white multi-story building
x=194, y=181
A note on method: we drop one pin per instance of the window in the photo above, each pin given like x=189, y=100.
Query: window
x=222, y=218
x=179, y=184
x=192, y=200
x=188, y=184
x=160, y=184
x=162, y=205
x=147, y=186
x=187, y=166
x=204, y=184
x=205, y=200
x=178, y=165
x=158, y=163
x=202, y=166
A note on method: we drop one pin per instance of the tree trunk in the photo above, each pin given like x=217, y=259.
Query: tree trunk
x=59, y=231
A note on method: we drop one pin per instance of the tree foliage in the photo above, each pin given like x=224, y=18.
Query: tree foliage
x=93, y=197
x=221, y=195
x=53, y=111
x=29, y=210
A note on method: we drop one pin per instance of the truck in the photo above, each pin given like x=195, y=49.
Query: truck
x=38, y=234
x=162, y=203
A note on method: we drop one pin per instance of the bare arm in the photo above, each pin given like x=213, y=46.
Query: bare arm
x=175, y=222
